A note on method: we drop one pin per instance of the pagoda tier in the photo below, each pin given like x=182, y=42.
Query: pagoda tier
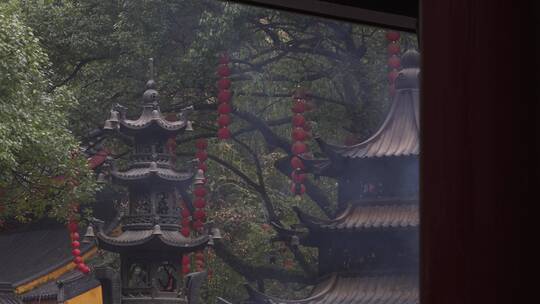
x=353, y=289
x=398, y=135
x=171, y=241
x=151, y=119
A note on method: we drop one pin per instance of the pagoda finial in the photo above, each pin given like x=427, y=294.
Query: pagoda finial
x=151, y=96
x=151, y=83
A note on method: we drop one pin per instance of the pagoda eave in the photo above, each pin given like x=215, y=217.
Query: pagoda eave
x=353, y=289
x=358, y=217
x=149, y=240
x=153, y=175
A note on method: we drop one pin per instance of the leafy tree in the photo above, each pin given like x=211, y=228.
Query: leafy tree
x=41, y=168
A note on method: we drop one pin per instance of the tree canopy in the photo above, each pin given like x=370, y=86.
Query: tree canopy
x=65, y=63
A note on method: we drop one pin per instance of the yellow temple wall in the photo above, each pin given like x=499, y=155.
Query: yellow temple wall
x=92, y=296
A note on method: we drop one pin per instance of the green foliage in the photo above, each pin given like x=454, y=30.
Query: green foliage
x=36, y=145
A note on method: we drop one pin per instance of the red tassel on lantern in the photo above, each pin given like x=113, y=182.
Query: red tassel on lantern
x=298, y=189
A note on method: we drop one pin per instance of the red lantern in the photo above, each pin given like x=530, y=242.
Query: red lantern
x=198, y=224
x=298, y=177
x=298, y=120
x=224, y=84
x=73, y=226
x=393, y=49
x=185, y=231
x=81, y=266
x=77, y=260
x=200, y=191
x=224, y=96
x=224, y=59
x=185, y=222
x=299, y=107
x=299, y=134
x=392, y=35
x=224, y=133
x=75, y=244
x=186, y=260
x=200, y=214
x=394, y=62
x=297, y=163
x=224, y=120
x=392, y=75
x=298, y=189
x=185, y=270
x=224, y=108
x=75, y=236
x=200, y=203
x=203, y=166
x=185, y=213
x=76, y=252
x=223, y=70
x=201, y=155
x=299, y=148
x=201, y=144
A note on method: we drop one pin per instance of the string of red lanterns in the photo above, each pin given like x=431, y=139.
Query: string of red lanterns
x=393, y=60
x=73, y=227
x=299, y=134
x=224, y=97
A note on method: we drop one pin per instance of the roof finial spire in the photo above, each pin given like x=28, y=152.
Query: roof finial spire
x=151, y=84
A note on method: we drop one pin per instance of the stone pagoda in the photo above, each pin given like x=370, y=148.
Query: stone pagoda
x=150, y=243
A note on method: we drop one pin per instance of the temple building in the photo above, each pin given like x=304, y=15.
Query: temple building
x=369, y=252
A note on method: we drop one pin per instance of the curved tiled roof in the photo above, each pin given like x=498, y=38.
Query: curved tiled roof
x=152, y=116
x=354, y=289
x=149, y=240
x=398, y=135
x=167, y=174
x=387, y=214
